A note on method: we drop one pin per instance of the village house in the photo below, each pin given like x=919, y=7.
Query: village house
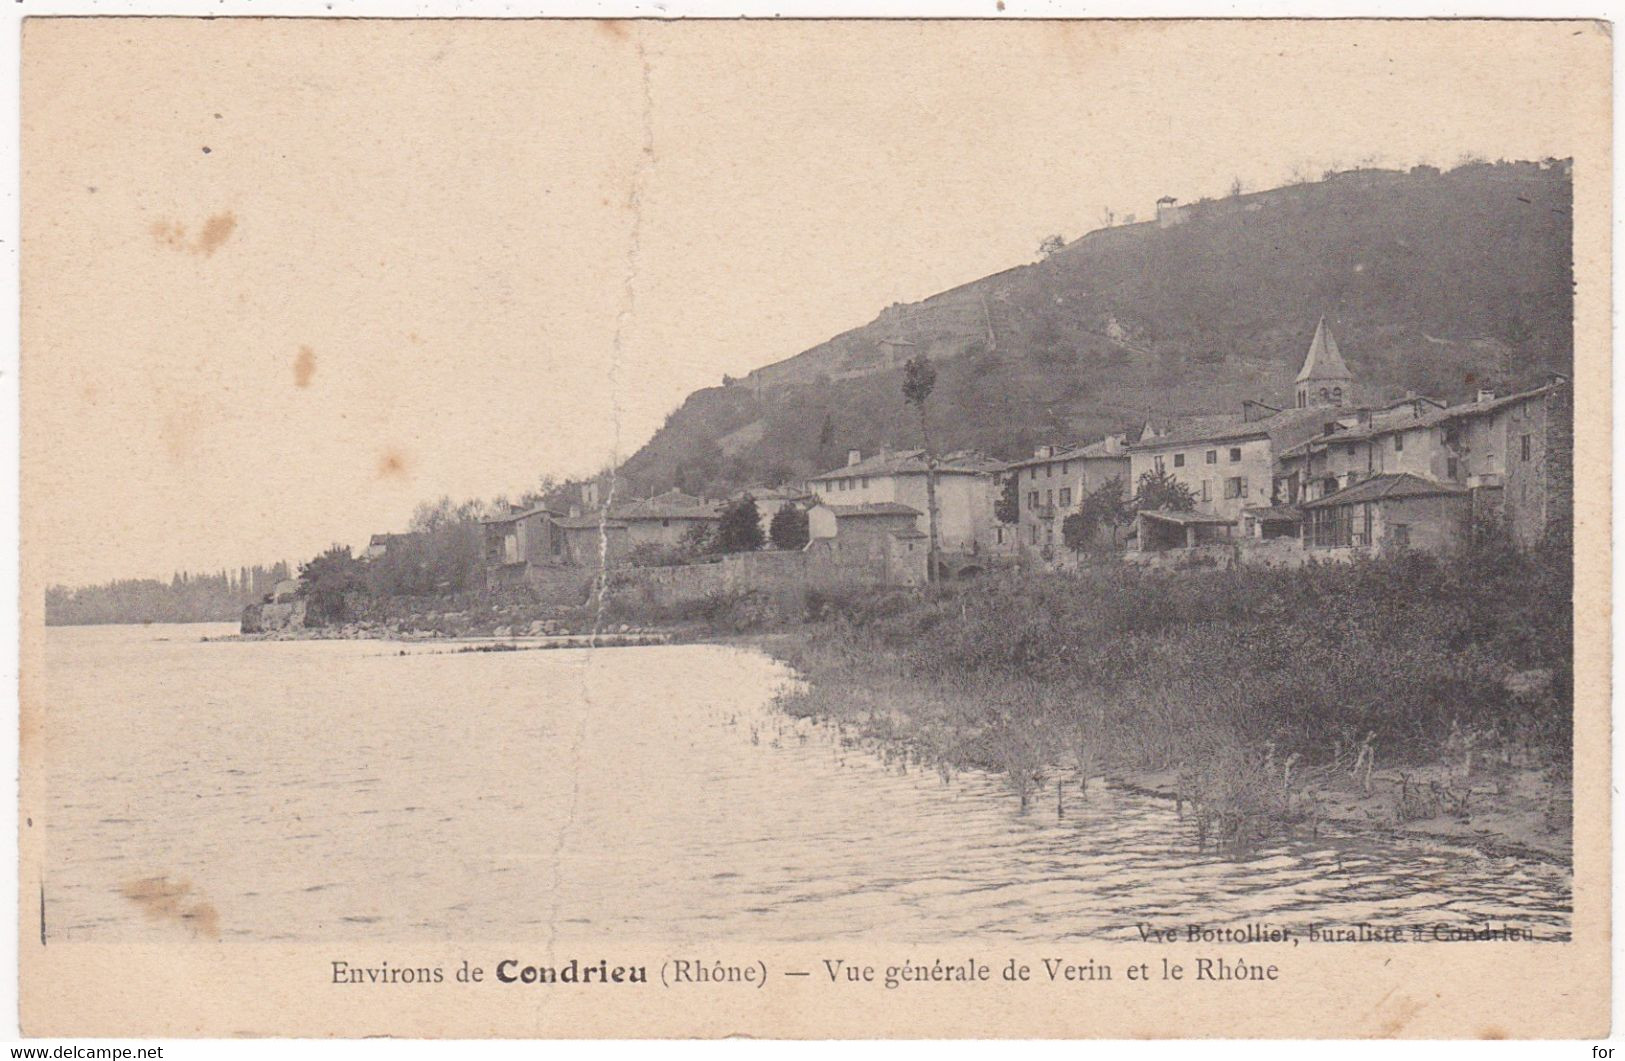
x=380, y=544
x=879, y=540
x=966, y=492
x=1053, y=483
x=1511, y=454
x=667, y=520
x=1228, y=462
x=769, y=499
x=1389, y=512
x=519, y=540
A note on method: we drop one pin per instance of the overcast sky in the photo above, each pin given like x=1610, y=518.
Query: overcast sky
x=285, y=279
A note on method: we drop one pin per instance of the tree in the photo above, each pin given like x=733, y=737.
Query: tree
x=740, y=529
x=1007, y=509
x=1051, y=244
x=1159, y=490
x=1103, y=507
x=789, y=527
x=919, y=378
x=324, y=581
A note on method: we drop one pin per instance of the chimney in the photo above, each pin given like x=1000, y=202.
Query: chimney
x=853, y=456
x=1485, y=395
x=1043, y=451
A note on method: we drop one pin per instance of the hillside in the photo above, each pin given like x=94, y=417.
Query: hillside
x=1434, y=282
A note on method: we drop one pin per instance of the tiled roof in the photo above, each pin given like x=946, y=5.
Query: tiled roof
x=1275, y=513
x=1183, y=518
x=1431, y=418
x=872, y=508
x=1285, y=428
x=1381, y=487
x=912, y=462
x=673, y=504
x=1101, y=448
x=512, y=516
x=588, y=523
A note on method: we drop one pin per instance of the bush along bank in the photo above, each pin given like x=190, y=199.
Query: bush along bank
x=1408, y=694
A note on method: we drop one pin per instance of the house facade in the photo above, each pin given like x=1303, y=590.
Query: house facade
x=967, y=489
x=666, y=520
x=879, y=540
x=1053, y=483
x=1389, y=513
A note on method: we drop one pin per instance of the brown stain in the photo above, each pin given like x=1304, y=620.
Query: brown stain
x=392, y=465
x=304, y=367
x=216, y=230
x=615, y=28
x=163, y=899
x=1492, y=1032
x=1405, y=1011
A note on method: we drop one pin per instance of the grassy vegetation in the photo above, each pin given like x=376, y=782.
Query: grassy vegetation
x=1250, y=686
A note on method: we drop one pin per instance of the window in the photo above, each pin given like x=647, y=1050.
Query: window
x=1066, y=497
x=1049, y=471
x=1207, y=489
x=1233, y=487
x=866, y=482
x=665, y=523
x=1399, y=442
x=1337, y=395
x=1033, y=533
x=1049, y=498
x=1213, y=456
x=1524, y=443
x=998, y=536
x=1065, y=465
x=1033, y=473
x=1348, y=450
x=1032, y=499
x=1179, y=460
x=1399, y=534
x=1450, y=469
x=1235, y=454
x=1158, y=462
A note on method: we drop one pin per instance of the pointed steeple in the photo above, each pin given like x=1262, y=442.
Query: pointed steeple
x=1324, y=379
x=1324, y=361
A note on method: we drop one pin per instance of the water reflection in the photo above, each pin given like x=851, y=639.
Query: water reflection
x=339, y=790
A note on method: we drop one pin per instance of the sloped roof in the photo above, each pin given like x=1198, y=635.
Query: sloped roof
x=912, y=462
x=1431, y=418
x=1324, y=360
x=1285, y=428
x=527, y=513
x=673, y=504
x=1097, y=450
x=1275, y=513
x=588, y=523
x=1381, y=487
x=872, y=508
x=1183, y=518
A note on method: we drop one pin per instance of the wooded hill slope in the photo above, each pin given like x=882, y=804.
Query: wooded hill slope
x=1435, y=282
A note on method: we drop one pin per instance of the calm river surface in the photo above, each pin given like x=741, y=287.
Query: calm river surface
x=329, y=790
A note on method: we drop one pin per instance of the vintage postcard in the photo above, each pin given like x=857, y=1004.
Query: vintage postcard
x=810, y=529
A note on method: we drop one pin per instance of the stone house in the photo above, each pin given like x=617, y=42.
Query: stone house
x=878, y=541
x=666, y=520
x=967, y=489
x=1387, y=513
x=1053, y=483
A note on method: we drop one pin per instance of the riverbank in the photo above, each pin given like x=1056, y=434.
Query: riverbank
x=1404, y=698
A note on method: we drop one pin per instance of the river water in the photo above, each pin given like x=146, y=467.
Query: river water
x=332, y=790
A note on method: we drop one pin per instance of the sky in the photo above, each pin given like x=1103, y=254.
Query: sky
x=282, y=280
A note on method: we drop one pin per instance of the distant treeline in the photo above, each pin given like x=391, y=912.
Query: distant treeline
x=185, y=598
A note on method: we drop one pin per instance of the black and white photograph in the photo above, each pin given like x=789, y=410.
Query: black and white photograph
x=852, y=511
